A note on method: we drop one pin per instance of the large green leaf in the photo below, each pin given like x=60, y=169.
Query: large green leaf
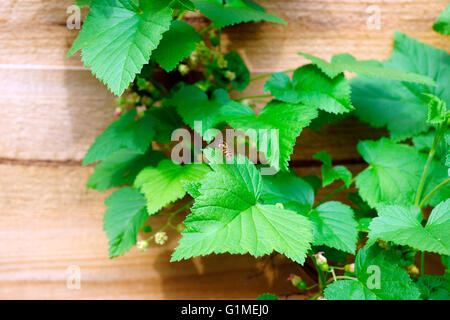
x=285, y=119
x=370, y=266
x=346, y=62
x=442, y=24
x=163, y=185
x=119, y=36
x=335, y=226
x=125, y=215
x=401, y=106
x=394, y=174
x=434, y=287
x=312, y=87
x=288, y=189
x=125, y=133
x=402, y=225
x=194, y=106
x=234, y=12
x=176, y=44
x=228, y=217
x=121, y=168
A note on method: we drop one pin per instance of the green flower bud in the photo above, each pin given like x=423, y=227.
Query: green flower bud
x=183, y=69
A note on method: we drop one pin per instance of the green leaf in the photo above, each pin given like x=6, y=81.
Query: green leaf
x=228, y=217
x=163, y=185
x=335, y=226
x=123, y=219
x=234, y=12
x=401, y=106
x=121, y=168
x=193, y=105
x=442, y=24
x=237, y=66
x=312, y=87
x=267, y=296
x=192, y=188
x=434, y=287
x=394, y=174
x=125, y=133
x=83, y=3
x=176, y=44
x=288, y=119
x=402, y=225
x=346, y=62
x=183, y=5
x=118, y=38
x=330, y=174
x=166, y=121
x=288, y=189
x=437, y=110
x=370, y=264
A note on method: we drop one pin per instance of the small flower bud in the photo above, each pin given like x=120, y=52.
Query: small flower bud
x=183, y=69
x=230, y=75
x=350, y=268
x=247, y=102
x=413, y=270
x=161, y=238
x=297, y=281
x=142, y=245
x=321, y=298
x=322, y=262
x=140, y=111
x=215, y=41
x=118, y=111
x=180, y=227
x=280, y=205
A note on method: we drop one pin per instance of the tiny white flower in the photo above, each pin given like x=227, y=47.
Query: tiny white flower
x=161, y=238
x=142, y=245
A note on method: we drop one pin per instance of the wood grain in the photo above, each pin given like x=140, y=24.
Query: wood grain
x=50, y=222
x=52, y=109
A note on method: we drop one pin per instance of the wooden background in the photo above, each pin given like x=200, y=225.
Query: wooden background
x=51, y=109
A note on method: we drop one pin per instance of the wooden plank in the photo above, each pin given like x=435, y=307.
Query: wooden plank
x=35, y=32
x=54, y=115
x=50, y=222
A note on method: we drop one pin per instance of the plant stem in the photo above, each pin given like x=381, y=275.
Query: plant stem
x=201, y=32
x=265, y=75
x=181, y=15
x=322, y=279
x=254, y=97
x=430, y=194
x=172, y=215
x=333, y=193
x=341, y=278
x=437, y=138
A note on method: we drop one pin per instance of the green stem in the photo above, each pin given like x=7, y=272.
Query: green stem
x=172, y=215
x=341, y=278
x=437, y=138
x=181, y=15
x=430, y=194
x=254, y=97
x=322, y=279
x=333, y=193
x=265, y=75
x=201, y=32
